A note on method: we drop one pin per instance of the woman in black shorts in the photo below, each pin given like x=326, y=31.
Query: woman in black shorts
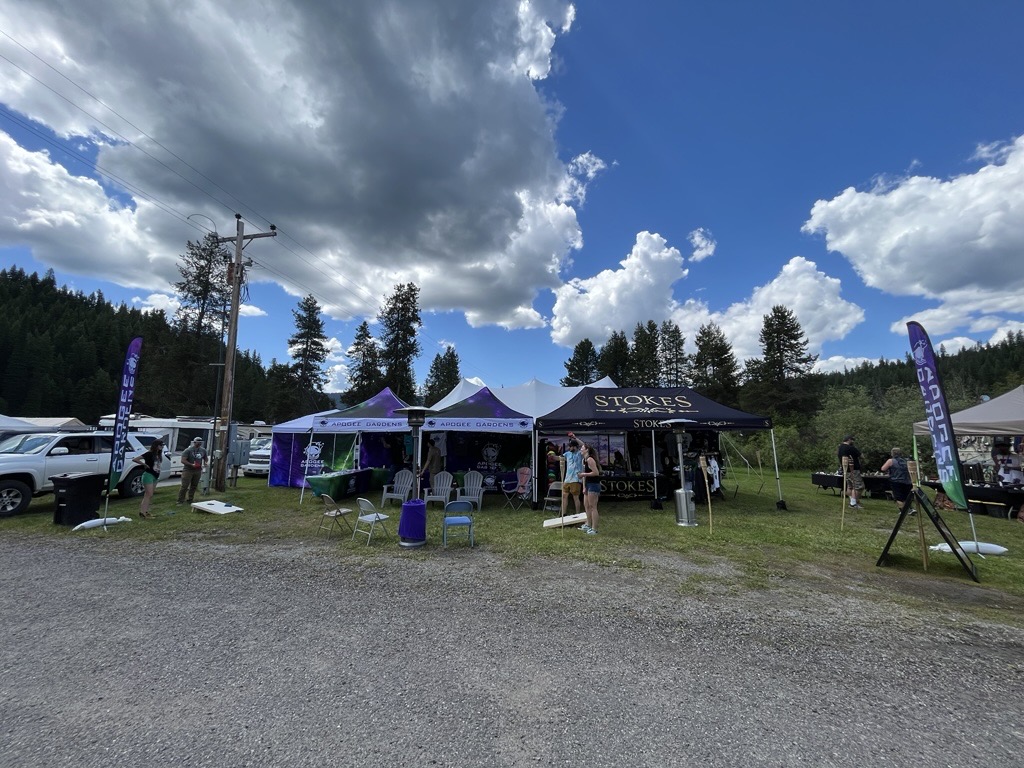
x=899, y=476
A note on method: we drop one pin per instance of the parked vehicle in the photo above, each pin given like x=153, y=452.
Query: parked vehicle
x=259, y=458
x=28, y=461
x=180, y=430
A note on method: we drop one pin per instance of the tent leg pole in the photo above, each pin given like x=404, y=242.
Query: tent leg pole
x=305, y=469
x=780, y=504
x=654, y=470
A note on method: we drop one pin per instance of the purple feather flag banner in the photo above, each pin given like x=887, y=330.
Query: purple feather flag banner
x=940, y=423
x=124, y=409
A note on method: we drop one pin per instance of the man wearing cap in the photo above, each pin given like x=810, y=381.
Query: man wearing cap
x=854, y=482
x=192, y=461
x=571, y=485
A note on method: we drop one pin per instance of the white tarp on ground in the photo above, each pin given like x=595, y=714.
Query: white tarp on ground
x=1003, y=415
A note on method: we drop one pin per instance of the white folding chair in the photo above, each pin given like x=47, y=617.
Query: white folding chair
x=368, y=520
x=458, y=514
x=335, y=513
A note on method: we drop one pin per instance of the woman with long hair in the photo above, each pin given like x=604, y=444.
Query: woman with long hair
x=151, y=460
x=591, y=476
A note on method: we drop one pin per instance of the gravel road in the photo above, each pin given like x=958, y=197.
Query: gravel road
x=198, y=654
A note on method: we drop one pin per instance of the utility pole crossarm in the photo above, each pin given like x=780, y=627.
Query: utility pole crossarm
x=271, y=233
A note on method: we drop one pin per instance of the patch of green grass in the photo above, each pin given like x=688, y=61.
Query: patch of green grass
x=815, y=537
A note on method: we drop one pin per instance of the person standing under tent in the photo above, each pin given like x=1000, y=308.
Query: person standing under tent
x=591, y=475
x=192, y=461
x=1008, y=466
x=573, y=466
x=899, y=476
x=432, y=463
x=150, y=461
x=396, y=452
x=854, y=482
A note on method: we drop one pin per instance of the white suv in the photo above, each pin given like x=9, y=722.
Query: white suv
x=27, y=462
x=259, y=458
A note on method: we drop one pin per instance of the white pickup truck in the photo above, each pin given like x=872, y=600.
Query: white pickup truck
x=27, y=462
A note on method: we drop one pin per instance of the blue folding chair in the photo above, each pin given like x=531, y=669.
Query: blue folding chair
x=458, y=514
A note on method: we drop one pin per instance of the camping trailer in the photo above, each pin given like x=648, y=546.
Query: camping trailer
x=181, y=430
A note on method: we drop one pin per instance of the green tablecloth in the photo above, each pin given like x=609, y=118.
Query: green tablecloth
x=339, y=485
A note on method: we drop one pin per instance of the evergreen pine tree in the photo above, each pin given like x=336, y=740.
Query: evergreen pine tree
x=672, y=357
x=784, y=346
x=644, y=365
x=203, y=290
x=613, y=361
x=581, y=368
x=443, y=377
x=204, y=297
x=715, y=370
x=779, y=383
x=400, y=323
x=308, y=348
x=365, y=378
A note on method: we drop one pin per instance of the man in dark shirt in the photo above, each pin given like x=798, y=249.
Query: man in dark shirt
x=854, y=482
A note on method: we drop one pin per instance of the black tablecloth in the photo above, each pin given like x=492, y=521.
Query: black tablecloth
x=994, y=500
x=875, y=485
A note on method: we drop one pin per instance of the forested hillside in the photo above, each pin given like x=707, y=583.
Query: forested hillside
x=61, y=353
x=880, y=402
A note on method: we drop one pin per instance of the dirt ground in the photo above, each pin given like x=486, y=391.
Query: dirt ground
x=193, y=653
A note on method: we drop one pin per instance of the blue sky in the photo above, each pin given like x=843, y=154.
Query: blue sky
x=545, y=172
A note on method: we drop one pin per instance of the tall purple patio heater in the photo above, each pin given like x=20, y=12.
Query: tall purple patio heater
x=412, y=525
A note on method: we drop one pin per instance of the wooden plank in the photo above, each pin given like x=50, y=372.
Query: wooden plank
x=215, y=507
x=558, y=522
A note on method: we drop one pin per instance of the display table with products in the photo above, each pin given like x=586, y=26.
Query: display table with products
x=876, y=484
x=988, y=498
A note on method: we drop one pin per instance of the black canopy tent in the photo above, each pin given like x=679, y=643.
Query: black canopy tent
x=628, y=409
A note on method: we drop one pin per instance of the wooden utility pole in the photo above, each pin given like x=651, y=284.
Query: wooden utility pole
x=220, y=463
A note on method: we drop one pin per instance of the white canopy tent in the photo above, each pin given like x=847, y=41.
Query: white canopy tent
x=8, y=422
x=535, y=398
x=465, y=388
x=1003, y=415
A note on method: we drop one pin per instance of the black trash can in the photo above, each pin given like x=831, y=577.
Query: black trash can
x=78, y=496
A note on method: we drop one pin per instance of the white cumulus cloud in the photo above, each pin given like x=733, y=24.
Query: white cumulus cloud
x=957, y=241
x=389, y=142
x=703, y=244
